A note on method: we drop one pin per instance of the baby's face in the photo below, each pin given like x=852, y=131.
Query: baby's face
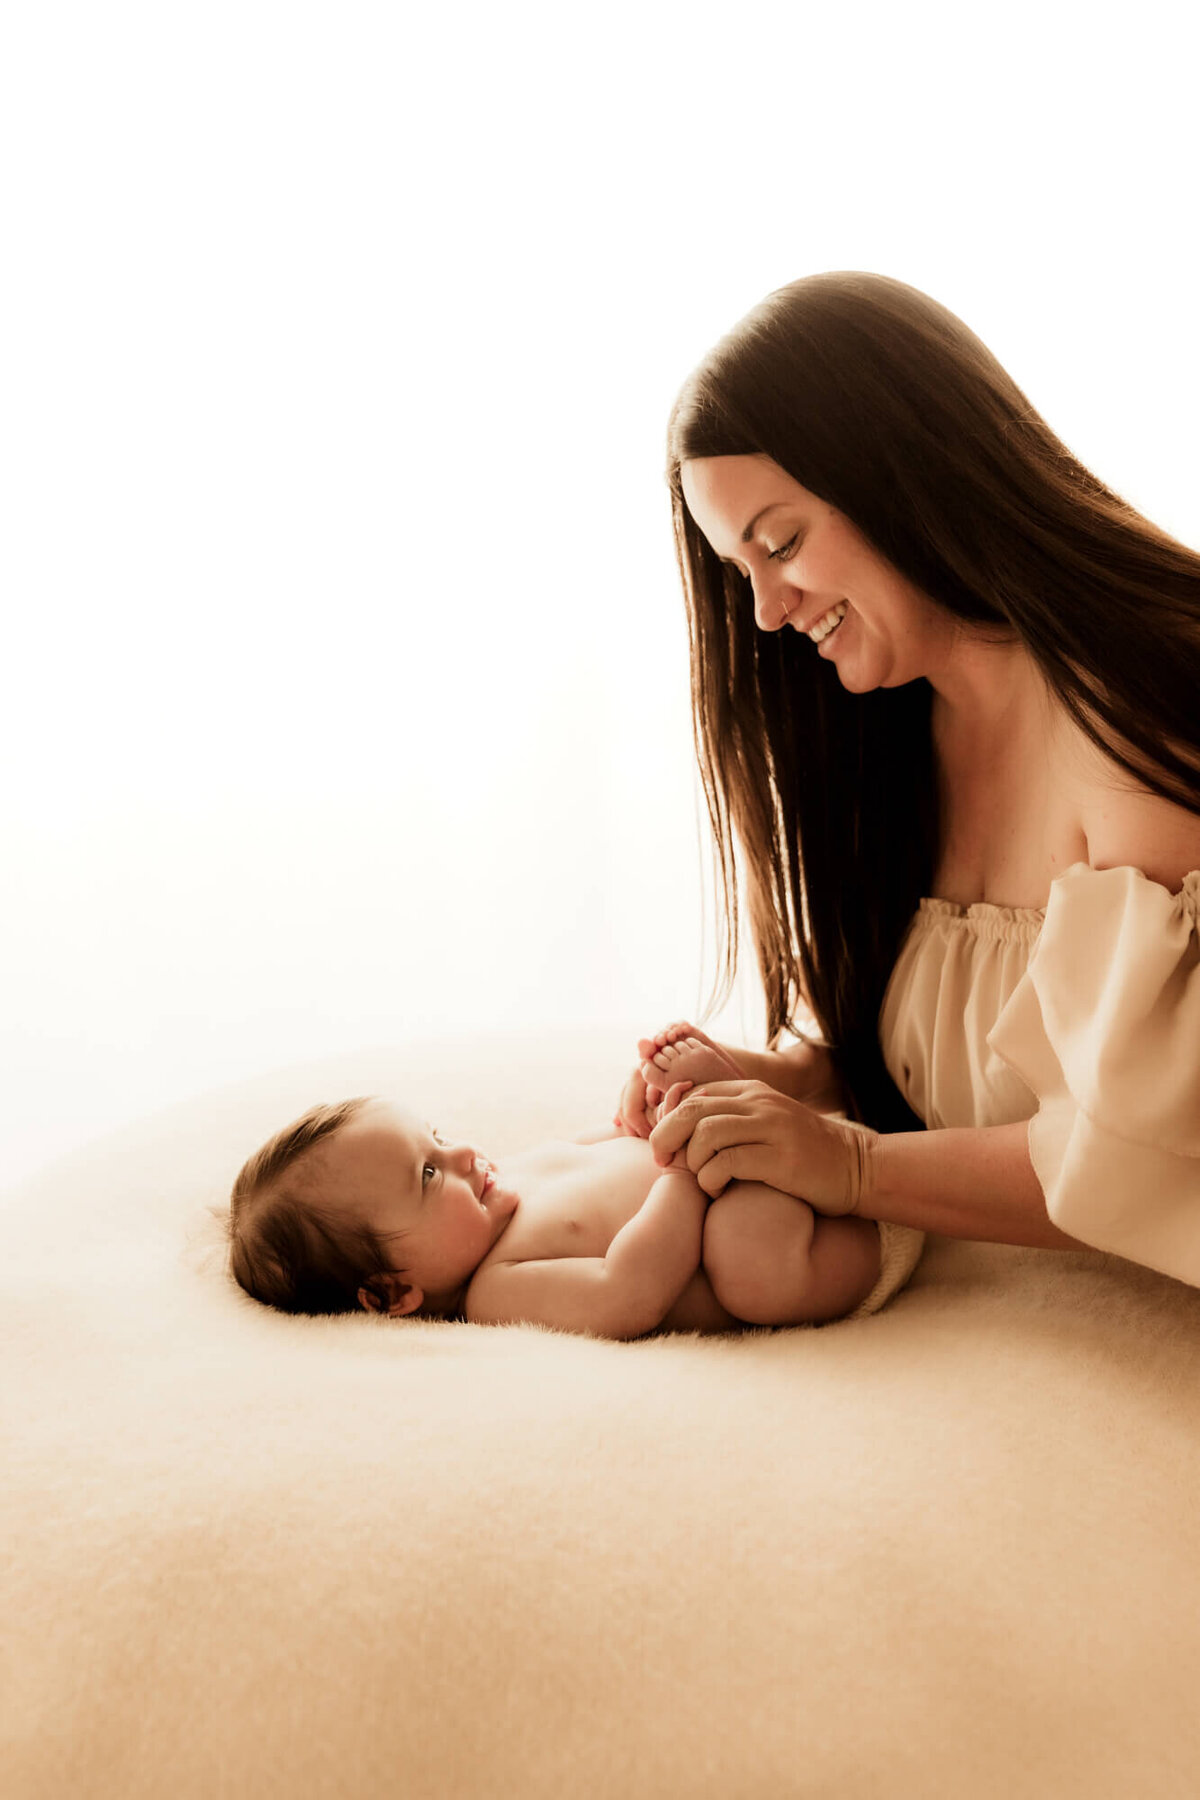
x=437, y=1204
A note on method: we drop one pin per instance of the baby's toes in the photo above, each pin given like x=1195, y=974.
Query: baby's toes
x=662, y=1060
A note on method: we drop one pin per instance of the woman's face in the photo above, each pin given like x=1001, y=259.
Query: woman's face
x=805, y=559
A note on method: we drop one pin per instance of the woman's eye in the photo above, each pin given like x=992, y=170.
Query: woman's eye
x=781, y=555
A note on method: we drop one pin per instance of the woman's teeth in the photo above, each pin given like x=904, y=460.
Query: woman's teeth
x=830, y=622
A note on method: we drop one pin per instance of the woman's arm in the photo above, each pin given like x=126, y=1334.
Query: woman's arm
x=964, y=1183
x=969, y=1183
x=803, y=1072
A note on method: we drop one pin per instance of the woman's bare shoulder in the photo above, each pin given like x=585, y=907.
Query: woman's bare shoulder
x=1125, y=824
x=1146, y=832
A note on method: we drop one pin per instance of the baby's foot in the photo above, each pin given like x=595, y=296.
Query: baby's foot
x=671, y=1034
x=691, y=1060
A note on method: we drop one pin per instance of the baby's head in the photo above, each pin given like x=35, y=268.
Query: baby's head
x=363, y=1204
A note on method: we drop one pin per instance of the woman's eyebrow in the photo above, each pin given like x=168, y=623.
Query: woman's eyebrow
x=749, y=531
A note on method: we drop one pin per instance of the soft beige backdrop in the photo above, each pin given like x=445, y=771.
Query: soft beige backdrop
x=949, y=1550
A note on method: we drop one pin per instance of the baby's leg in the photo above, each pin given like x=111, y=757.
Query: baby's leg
x=772, y=1261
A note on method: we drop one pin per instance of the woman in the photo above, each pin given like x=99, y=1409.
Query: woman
x=969, y=813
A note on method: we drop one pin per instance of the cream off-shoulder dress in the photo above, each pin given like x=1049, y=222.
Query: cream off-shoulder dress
x=1084, y=1018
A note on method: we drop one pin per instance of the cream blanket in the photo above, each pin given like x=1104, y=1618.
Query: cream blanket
x=952, y=1549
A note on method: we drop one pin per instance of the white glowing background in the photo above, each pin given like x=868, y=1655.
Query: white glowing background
x=344, y=661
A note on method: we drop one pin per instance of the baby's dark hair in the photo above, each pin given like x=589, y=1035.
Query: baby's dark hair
x=285, y=1248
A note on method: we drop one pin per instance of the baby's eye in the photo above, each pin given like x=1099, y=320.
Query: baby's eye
x=427, y=1174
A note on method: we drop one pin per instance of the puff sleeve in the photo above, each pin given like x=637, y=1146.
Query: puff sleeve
x=1104, y=1027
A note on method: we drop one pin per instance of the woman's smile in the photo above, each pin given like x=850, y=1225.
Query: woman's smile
x=827, y=624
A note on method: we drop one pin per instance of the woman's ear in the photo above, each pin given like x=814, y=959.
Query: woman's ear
x=391, y=1294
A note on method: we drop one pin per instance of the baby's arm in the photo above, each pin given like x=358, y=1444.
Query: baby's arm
x=623, y=1294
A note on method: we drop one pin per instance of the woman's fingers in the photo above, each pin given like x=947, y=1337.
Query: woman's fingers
x=702, y=1104
x=715, y=1175
x=746, y=1131
x=727, y=1148
x=766, y=1162
x=715, y=1106
x=673, y=1095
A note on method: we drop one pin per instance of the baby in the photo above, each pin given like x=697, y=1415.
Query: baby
x=366, y=1205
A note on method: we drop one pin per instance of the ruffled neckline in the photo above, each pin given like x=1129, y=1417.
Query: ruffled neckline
x=982, y=909
x=985, y=911
x=983, y=919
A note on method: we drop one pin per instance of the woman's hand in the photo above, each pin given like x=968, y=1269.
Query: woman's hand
x=747, y=1131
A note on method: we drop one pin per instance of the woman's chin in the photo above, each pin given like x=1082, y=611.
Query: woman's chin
x=856, y=671
x=853, y=678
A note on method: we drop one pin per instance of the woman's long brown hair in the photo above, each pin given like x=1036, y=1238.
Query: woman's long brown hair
x=884, y=404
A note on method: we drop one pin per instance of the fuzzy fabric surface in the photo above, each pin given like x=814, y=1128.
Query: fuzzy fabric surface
x=949, y=1549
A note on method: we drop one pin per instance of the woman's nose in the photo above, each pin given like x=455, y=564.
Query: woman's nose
x=772, y=604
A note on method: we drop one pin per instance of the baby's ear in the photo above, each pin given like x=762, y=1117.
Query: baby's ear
x=391, y=1294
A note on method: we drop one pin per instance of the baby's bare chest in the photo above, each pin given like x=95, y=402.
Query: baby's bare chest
x=574, y=1198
